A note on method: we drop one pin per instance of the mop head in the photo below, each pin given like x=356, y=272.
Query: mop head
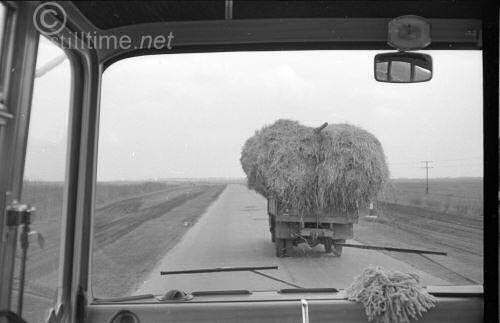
x=390, y=296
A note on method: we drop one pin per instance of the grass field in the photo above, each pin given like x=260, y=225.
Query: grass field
x=449, y=195
x=134, y=225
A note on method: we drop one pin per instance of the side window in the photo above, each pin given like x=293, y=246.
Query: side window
x=44, y=180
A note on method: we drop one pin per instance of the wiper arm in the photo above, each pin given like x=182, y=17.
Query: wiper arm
x=229, y=269
x=215, y=270
x=276, y=279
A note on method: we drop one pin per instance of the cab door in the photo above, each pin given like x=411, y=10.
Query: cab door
x=19, y=43
x=36, y=90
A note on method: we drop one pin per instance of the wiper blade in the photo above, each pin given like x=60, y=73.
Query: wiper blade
x=221, y=292
x=308, y=290
x=430, y=252
x=215, y=270
x=125, y=298
x=229, y=269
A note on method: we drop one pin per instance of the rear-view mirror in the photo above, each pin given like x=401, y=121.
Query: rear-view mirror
x=403, y=67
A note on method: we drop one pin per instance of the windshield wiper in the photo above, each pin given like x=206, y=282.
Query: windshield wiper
x=430, y=252
x=215, y=270
x=221, y=292
x=308, y=290
x=125, y=298
x=229, y=269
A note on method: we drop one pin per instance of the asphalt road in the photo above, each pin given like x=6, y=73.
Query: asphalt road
x=234, y=232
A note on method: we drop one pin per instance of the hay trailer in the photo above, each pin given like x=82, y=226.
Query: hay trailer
x=288, y=229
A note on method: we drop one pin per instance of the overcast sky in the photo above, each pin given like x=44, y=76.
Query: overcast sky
x=188, y=115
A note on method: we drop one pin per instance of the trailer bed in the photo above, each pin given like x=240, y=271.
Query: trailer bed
x=289, y=229
x=310, y=218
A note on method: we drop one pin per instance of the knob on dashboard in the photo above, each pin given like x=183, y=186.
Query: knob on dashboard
x=125, y=316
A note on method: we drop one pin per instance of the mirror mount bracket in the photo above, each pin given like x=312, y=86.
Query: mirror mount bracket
x=409, y=32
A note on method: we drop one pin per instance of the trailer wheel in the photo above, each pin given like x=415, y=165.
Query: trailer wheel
x=280, y=247
x=272, y=227
x=338, y=249
x=328, y=245
x=288, y=247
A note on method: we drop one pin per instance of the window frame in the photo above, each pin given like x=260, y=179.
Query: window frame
x=92, y=299
x=61, y=301
x=22, y=36
x=86, y=294
x=16, y=102
x=490, y=128
x=78, y=189
x=454, y=301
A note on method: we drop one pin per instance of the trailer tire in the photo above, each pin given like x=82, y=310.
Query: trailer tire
x=338, y=249
x=328, y=245
x=272, y=227
x=280, y=247
x=288, y=247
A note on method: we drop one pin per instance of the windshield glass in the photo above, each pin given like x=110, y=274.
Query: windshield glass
x=178, y=189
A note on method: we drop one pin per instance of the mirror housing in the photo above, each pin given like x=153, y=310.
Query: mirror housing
x=403, y=67
x=409, y=33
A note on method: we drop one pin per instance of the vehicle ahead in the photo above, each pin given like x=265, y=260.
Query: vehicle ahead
x=136, y=183
x=289, y=229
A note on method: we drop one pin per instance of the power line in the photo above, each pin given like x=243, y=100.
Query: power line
x=458, y=159
x=439, y=160
x=427, y=167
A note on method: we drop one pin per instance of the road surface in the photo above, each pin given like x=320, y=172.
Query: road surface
x=234, y=232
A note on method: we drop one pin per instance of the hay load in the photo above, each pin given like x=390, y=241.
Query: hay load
x=353, y=168
x=281, y=160
x=339, y=169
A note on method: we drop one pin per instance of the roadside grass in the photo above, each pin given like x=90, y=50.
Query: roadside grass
x=463, y=196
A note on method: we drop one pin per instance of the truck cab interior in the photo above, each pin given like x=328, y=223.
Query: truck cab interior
x=95, y=40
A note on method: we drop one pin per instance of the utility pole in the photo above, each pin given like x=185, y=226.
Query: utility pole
x=427, y=167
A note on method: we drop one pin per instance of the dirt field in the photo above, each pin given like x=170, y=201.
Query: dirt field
x=127, y=216
x=132, y=235
x=449, y=218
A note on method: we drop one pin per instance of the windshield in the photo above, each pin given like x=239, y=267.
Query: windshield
x=176, y=191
